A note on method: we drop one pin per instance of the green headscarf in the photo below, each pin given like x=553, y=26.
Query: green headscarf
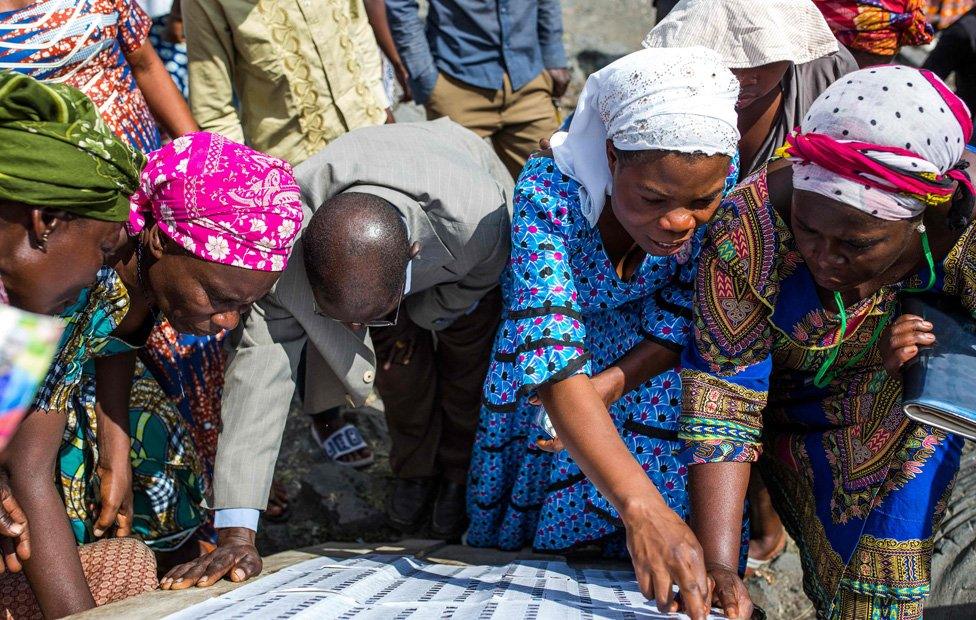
x=56, y=151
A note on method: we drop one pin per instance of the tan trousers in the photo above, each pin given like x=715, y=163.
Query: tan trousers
x=514, y=120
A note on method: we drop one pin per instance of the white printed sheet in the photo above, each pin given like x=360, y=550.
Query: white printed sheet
x=398, y=588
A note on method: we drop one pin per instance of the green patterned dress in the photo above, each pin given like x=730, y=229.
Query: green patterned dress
x=168, y=482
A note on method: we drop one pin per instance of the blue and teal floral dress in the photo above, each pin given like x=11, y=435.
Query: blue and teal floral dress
x=568, y=312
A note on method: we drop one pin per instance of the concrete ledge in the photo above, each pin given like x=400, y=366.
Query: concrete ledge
x=153, y=605
x=157, y=604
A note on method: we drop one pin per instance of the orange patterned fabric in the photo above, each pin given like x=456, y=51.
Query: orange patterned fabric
x=116, y=569
x=945, y=13
x=878, y=27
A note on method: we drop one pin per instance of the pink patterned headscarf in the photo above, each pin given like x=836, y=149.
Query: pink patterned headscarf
x=221, y=201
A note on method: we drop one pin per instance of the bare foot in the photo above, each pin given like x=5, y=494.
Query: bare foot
x=767, y=534
x=330, y=421
x=277, y=501
x=767, y=547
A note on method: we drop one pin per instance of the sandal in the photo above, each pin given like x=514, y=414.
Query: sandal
x=344, y=441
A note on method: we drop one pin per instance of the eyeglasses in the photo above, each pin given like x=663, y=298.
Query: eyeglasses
x=378, y=322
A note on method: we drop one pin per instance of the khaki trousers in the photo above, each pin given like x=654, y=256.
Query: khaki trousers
x=433, y=403
x=514, y=120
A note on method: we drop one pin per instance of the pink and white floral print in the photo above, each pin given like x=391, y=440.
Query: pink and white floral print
x=222, y=201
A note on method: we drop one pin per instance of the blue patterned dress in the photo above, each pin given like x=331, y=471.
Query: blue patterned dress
x=568, y=312
x=172, y=54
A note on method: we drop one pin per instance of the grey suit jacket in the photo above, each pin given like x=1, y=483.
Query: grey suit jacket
x=455, y=196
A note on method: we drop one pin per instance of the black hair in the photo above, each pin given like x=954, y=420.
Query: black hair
x=356, y=252
x=629, y=158
x=962, y=203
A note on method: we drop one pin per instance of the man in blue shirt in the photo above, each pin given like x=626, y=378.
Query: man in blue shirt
x=493, y=66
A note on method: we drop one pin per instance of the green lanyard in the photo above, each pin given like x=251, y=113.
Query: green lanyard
x=823, y=377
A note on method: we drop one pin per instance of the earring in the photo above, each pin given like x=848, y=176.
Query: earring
x=920, y=228
x=43, y=240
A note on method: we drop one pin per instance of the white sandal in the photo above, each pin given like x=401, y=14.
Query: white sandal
x=344, y=441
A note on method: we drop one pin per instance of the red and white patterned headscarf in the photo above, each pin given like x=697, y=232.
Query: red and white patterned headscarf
x=221, y=201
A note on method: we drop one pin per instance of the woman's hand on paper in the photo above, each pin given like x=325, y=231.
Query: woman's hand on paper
x=665, y=552
x=729, y=593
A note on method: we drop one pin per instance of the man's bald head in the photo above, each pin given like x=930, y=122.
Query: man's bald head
x=356, y=254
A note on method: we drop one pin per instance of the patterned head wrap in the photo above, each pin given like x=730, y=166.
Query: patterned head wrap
x=885, y=140
x=55, y=151
x=221, y=201
x=745, y=35
x=680, y=100
x=877, y=27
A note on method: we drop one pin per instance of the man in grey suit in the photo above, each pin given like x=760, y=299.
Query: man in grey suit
x=407, y=229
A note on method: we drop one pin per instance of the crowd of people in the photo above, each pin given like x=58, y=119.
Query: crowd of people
x=665, y=329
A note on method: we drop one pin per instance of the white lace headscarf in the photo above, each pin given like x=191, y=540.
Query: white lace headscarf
x=748, y=33
x=680, y=100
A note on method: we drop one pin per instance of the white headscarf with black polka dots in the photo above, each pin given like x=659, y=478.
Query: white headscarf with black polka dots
x=890, y=106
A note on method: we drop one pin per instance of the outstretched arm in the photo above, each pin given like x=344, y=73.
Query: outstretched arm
x=259, y=383
x=54, y=568
x=662, y=548
x=718, y=492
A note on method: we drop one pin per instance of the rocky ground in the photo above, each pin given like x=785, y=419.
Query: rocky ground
x=339, y=504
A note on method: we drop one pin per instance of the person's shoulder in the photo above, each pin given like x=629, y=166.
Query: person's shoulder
x=542, y=180
x=544, y=192
x=828, y=68
x=748, y=232
x=542, y=169
x=749, y=196
x=959, y=267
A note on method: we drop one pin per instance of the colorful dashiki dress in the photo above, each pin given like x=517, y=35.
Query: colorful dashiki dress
x=169, y=485
x=860, y=487
x=568, y=312
x=84, y=43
